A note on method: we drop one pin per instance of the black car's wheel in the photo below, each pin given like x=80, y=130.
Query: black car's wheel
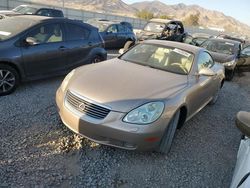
x=96, y=59
x=9, y=79
x=128, y=45
x=230, y=74
x=168, y=136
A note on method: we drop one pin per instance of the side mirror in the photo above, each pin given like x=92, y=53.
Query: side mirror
x=109, y=32
x=31, y=41
x=206, y=72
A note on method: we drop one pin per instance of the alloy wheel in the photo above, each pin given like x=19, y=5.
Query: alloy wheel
x=7, y=80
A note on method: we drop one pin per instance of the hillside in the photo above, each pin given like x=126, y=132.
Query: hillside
x=207, y=18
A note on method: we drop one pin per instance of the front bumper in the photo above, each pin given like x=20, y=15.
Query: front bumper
x=111, y=130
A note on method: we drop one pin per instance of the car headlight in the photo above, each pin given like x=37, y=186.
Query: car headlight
x=230, y=63
x=145, y=114
x=66, y=80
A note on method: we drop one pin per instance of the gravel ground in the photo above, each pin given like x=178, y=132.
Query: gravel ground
x=37, y=150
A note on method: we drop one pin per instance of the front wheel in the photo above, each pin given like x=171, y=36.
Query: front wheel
x=168, y=136
x=9, y=79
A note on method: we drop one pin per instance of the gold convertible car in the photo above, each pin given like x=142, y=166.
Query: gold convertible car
x=138, y=100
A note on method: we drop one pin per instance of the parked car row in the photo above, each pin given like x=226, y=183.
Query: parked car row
x=32, y=10
x=147, y=93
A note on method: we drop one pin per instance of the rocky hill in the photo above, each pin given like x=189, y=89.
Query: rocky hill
x=207, y=18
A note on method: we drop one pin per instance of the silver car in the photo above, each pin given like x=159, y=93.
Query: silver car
x=138, y=100
x=241, y=177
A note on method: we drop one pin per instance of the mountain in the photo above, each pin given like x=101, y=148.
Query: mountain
x=207, y=18
x=103, y=6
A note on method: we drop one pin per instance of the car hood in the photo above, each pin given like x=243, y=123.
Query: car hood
x=122, y=86
x=8, y=12
x=222, y=58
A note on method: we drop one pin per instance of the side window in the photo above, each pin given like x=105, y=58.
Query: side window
x=47, y=33
x=77, y=32
x=112, y=29
x=246, y=51
x=44, y=12
x=205, y=61
x=121, y=28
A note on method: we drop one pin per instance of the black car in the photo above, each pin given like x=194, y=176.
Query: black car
x=115, y=34
x=226, y=52
x=197, y=39
x=32, y=9
x=34, y=47
x=161, y=29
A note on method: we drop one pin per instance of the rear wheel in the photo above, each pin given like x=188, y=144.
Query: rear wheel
x=168, y=136
x=96, y=59
x=9, y=79
x=230, y=74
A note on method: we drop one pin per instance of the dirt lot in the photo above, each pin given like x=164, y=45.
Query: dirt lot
x=38, y=150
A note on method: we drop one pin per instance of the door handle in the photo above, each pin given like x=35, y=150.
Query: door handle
x=62, y=48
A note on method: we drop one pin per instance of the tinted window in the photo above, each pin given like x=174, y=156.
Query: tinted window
x=246, y=51
x=112, y=29
x=122, y=29
x=56, y=13
x=205, y=61
x=44, y=12
x=77, y=32
x=47, y=33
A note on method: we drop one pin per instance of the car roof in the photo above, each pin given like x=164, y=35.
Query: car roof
x=39, y=19
x=187, y=47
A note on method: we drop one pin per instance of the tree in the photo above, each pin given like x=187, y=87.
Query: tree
x=144, y=14
x=192, y=20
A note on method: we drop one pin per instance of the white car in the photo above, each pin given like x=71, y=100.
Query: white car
x=241, y=177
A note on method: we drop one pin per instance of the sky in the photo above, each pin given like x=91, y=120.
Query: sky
x=239, y=9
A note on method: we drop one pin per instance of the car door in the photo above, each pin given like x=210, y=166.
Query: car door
x=78, y=44
x=244, y=59
x=110, y=36
x=122, y=35
x=203, y=87
x=47, y=55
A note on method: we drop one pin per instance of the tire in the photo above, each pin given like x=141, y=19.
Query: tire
x=96, y=59
x=167, y=139
x=230, y=74
x=128, y=45
x=9, y=79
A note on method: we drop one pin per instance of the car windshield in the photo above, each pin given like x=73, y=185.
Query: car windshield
x=25, y=9
x=223, y=47
x=154, y=27
x=165, y=58
x=12, y=26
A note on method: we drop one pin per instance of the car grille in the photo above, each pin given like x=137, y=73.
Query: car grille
x=90, y=109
